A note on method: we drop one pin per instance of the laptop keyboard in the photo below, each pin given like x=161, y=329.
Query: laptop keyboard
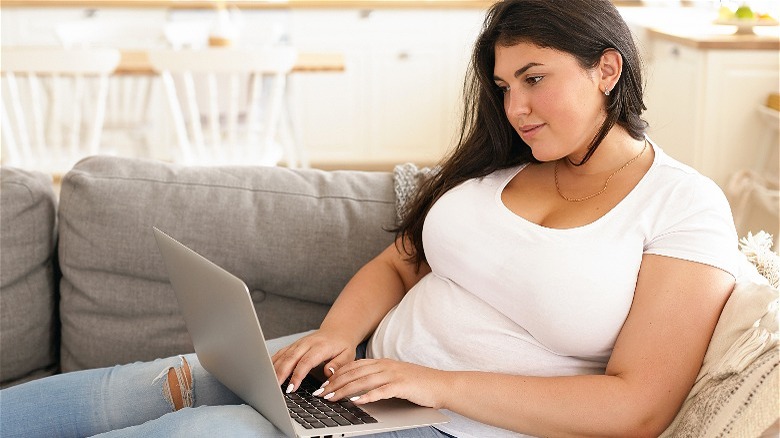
x=312, y=412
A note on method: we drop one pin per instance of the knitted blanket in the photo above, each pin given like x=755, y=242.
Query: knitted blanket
x=736, y=391
x=406, y=180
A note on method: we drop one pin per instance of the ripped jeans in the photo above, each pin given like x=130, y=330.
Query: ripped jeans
x=140, y=399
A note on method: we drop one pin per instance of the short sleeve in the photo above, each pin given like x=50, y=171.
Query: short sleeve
x=696, y=224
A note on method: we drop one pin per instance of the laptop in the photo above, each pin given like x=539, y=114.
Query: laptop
x=229, y=343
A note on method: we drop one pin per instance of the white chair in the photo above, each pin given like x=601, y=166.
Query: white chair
x=754, y=194
x=53, y=105
x=129, y=127
x=187, y=34
x=127, y=34
x=227, y=105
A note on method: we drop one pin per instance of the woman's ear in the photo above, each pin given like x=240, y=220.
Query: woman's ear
x=609, y=69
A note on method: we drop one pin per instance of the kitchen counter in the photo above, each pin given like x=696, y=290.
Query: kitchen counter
x=718, y=38
x=693, y=27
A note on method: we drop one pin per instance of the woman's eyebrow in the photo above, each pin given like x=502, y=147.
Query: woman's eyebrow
x=519, y=71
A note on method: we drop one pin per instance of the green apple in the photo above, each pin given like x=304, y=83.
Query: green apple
x=744, y=13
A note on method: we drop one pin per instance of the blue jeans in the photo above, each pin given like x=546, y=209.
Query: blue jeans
x=130, y=400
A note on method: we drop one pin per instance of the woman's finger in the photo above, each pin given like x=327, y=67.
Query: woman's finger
x=355, y=377
x=345, y=358
x=286, y=362
x=379, y=393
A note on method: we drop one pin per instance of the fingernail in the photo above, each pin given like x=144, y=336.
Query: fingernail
x=332, y=371
x=290, y=388
x=318, y=392
x=328, y=396
x=324, y=384
x=354, y=398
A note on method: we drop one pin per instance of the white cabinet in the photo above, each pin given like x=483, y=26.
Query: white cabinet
x=703, y=104
x=398, y=99
x=28, y=26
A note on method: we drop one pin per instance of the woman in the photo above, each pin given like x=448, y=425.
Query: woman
x=559, y=276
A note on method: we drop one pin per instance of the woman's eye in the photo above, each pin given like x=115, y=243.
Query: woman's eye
x=533, y=80
x=502, y=88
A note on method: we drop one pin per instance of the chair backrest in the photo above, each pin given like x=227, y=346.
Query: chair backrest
x=53, y=105
x=226, y=104
x=91, y=32
x=187, y=34
x=129, y=127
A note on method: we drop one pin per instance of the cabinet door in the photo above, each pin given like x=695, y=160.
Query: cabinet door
x=35, y=26
x=330, y=107
x=30, y=26
x=416, y=78
x=398, y=99
x=407, y=103
x=673, y=98
x=329, y=110
x=735, y=136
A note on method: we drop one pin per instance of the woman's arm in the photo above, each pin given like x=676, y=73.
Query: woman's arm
x=375, y=289
x=653, y=366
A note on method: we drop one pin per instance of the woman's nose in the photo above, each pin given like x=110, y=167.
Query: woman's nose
x=516, y=104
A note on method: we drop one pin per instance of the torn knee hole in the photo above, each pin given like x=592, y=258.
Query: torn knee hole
x=177, y=387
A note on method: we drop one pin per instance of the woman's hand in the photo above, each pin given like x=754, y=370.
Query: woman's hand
x=367, y=380
x=300, y=357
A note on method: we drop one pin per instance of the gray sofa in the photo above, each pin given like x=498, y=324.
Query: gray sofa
x=82, y=284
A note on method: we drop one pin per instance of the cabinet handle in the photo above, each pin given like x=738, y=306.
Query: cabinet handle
x=90, y=12
x=403, y=56
x=365, y=13
x=675, y=52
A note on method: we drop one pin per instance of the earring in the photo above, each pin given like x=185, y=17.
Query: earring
x=606, y=91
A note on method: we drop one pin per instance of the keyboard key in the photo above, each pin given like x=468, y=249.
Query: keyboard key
x=312, y=412
x=330, y=423
x=341, y=420
x=351, y=418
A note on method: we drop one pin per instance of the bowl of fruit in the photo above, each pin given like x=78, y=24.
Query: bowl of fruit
x=744, y=18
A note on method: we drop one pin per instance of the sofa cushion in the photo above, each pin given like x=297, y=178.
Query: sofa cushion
x=294, y=236
x=27, y=284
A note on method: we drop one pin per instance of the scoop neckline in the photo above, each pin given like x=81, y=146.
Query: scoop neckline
x=657, y=152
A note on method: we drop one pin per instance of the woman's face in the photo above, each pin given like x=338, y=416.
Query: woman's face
x=554, y=104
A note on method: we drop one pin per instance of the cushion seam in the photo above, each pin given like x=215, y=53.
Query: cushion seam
x=248, y=189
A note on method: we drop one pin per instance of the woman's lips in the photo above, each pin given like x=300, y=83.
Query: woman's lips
x=528, y=131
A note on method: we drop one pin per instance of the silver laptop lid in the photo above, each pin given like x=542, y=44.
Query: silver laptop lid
x=202, y=290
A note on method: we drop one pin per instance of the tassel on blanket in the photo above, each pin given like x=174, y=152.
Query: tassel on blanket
x=760, y=338
x=757, y=249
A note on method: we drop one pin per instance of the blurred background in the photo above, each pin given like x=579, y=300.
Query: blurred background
x=357, y=84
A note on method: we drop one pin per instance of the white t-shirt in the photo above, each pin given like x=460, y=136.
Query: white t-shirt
x=508, y=295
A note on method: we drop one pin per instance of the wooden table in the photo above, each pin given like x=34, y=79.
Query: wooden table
x=137, y=62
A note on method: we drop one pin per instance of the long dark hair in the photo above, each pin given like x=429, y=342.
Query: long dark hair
x=487, y=142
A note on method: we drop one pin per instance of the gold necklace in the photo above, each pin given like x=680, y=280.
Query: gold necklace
x=606, y=183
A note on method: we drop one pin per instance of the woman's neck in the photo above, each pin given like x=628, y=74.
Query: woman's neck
x=617, y=148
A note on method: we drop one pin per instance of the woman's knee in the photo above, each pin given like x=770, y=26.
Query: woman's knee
x=177, y=385
x=185, y=383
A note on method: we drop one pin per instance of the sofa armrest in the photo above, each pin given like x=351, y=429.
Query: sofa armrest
x=28, y=310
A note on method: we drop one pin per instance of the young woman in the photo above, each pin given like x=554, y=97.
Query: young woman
x=559, y=276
